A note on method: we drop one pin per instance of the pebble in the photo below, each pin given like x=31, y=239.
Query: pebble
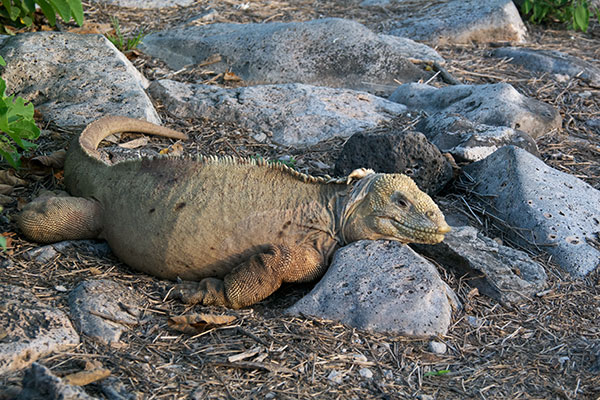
x=41, y=254
x=366, y=373
x=336, y=377
x=437, y=347
x=359, y=358
x=474, y=321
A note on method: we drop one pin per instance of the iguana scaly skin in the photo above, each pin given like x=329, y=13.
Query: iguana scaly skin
x=238, y=228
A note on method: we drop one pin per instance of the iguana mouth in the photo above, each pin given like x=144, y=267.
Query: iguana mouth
x=437, y=230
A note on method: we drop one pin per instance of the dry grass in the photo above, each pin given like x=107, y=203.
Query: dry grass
x=547, y=348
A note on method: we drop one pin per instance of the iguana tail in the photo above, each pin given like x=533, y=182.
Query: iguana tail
x=95, y=132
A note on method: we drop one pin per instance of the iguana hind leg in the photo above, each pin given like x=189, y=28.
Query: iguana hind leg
x=52, y=219
x=256, y=278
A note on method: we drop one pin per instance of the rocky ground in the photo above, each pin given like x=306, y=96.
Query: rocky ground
x=545, y=348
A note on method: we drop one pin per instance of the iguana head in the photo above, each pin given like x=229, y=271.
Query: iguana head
x=391, y=206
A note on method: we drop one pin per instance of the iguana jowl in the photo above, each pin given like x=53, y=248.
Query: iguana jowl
x=238, y=228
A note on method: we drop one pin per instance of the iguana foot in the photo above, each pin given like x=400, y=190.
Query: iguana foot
x=209, y=291
x=52, y=219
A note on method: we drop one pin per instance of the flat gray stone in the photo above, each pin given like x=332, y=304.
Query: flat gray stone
x=33, y=329
x=41, y=254
x=95, y=308
x=551, y=61
x=290, y=114
x=147, y=4
x=381, y=286
x=507, y=275
x=392, y=150
x=39, y=383
x=74, y=79
x=497, y=104
x=457, y=21
x=329, y=52
x=467, y=141
x=46, y=253
x=551, y=209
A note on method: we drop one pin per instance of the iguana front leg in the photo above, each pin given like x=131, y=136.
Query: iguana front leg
x=52, y=219
x=256, y=278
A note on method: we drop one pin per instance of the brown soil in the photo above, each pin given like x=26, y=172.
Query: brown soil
x=547, y=348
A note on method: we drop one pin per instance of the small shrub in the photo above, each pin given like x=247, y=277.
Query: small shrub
x=118, y=39
x=576, y=13
x=17, y=126
x=19, y=13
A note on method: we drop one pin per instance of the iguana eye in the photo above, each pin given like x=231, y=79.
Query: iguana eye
x=402, y=203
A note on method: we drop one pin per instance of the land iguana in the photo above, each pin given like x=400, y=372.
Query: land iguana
x=233, y=228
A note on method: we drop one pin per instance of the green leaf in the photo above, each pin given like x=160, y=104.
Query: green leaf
x=30, y=5
x=76, y=11
x=2, y=242
x=7, y=6
x=2, y=63
x=581, y=17
x=63, y=9
x=11, y=157
x=48, y=11
x=436, y=373
x=526, y=7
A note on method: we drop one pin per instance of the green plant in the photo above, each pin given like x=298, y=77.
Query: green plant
x=2, y=238
x=289, y=162
x=574, y=12
x=19, y=13
x=437, y=373
x=17, y=126
x=118, y=39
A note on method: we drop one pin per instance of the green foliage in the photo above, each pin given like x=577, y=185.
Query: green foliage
x=437, y=373
x=17, y=126
x=291, y=162
x=19, y=13
x=576, y=13
x=119, y=40
x=2, y=238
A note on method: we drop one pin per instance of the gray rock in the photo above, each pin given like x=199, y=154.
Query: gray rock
x=551, y=209
x=366, y=373
x=46, y=253
x=74, y=79
x=551, y=61
x=475, y=321
x=458, y=21
x=114, y=389
x=336, y=377
x=148, y=4
x=291, y=114
x=375, y=3
x=437, y=347
x=467, y=141
x=381, y=286
x=33, y=329
x=593, y=123
x=41, y=254
x=329, y=52
x=507, y=275
x=39, y=383
x=496, y=104
x=96, y=310
x=394, y=151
